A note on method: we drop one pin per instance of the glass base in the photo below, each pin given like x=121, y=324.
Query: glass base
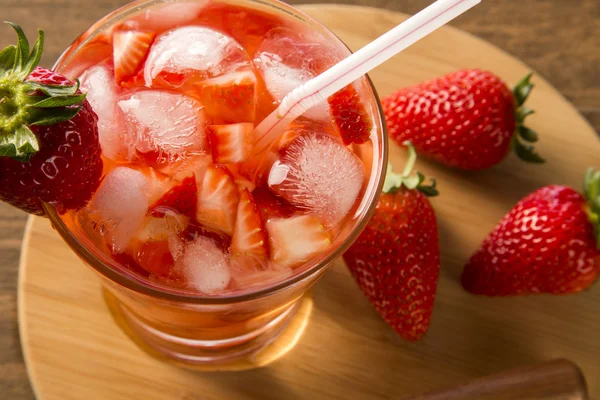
x=251, y=350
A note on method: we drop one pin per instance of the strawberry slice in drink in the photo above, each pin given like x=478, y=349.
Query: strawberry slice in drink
x=296, y=240
x=269, y=205
x=218, y=199
x=130, y=49
x=231, y=98
x=155, y=257
x=249, y=245
x=181, y=198
x=231, y=143
x=350, y=116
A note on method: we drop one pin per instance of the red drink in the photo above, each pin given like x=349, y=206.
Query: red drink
x=207, y=244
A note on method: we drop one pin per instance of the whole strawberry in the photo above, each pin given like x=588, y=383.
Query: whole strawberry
x=49, y=149
x=548, y=243
x=396, y=259
x=468, y=119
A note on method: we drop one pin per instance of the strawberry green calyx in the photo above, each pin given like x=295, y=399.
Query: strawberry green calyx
x=24, y=103
x=524, y=137
x=591, y=191
x=394, y=181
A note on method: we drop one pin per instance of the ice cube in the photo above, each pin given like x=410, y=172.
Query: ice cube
x=162, y=229
x=120, y=205
x=102, y=93
x=193, y=53
x=205, y=266
x=167, y=125
x=287, y=59
x=318, y=174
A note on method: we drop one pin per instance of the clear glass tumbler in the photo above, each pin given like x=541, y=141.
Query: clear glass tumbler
x=192, y=329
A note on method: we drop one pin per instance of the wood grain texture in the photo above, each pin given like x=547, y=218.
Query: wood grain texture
x=557, y=38
x=554, y=380
x=347, y=351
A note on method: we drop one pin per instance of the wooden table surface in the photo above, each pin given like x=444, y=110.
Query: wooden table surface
x=557, y=38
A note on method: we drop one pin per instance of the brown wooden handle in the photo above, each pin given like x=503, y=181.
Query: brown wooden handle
x=554, y=380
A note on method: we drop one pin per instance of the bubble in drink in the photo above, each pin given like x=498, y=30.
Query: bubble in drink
x=205, y=266
x=193, y=53
x=99, y=84
x=166, y=124
x=318, y=174
x=120, y=205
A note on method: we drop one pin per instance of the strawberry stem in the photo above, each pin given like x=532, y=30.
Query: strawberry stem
x=24, y=103
x=523, y=136
x=591, y=191
x=394, y=181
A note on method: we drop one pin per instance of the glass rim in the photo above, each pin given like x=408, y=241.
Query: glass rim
x=141, y=287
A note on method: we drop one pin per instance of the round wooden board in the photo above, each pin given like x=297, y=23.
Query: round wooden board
x=74, y=349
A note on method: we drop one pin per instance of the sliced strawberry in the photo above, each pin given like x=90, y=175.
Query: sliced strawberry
x=231, y=143
x=257, y=168
x=249, y=235
x=130, y=263
x=350, y=116
x=217, y=199
x=130, y=48
x=155, y=257
x=230, y=98
x=296, y=240
x=270, y=205
x=182, y=198
x=193, y=231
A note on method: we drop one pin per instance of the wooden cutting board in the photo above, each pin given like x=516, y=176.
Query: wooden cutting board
x=74, y=349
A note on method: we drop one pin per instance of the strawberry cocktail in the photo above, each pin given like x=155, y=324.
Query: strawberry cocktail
x=204, y=243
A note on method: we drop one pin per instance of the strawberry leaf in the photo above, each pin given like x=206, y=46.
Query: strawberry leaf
x=59, y=101
x=523, y=89
x=522, y=113
x=35, y=56
x=22, y=53
x=7, y=59
x=52, y=90
x=528, y=135
x=394, y=181
x=526, y=152
x=19, y=146
x=46, y=117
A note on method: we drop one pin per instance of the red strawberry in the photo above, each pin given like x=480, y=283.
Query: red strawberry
x=230, y=143
x=128, y=262
x=296, y=240
x=468, y=119
x=548, y=243
x=217, y=199
x=249, y=235
x=130, y=49
x=231, y=98
x=396, y=259
x=155, y=257
x=49, y=149
x=193, y=231
x=350, y=116
x=270, y=205
x=181, y=198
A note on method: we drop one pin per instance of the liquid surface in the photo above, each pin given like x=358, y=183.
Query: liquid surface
x=185, y=202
